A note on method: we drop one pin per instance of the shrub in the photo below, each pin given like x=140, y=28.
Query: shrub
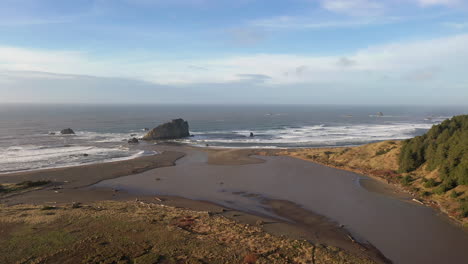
x=445, y=186
x=30, y=184
x=406, y=180
x=426, y=193
x=381, y=152
x=47, y=207
x=430, y=183
x=464, y=209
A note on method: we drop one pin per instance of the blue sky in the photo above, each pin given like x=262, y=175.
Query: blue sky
x=244, y=51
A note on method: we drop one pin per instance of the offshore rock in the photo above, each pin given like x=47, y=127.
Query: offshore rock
x=177, y=128
x=67, y=131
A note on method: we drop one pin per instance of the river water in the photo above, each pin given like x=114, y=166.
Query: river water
x=403, y=231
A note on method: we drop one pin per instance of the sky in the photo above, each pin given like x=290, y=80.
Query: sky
x=232, y=52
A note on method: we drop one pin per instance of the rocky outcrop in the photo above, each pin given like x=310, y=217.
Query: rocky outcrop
x=177, y=128
x=67, y=131
x=133, y=141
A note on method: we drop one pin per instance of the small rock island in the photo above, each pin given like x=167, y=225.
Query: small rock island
x=177, y=128
x=67, y=131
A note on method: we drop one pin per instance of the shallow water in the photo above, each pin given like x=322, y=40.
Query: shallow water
x=404, y=232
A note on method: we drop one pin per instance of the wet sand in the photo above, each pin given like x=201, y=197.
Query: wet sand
x=66, y=182
x=402, y=230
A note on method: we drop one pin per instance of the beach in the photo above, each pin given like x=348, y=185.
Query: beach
x=302, y=200
x=76, y=185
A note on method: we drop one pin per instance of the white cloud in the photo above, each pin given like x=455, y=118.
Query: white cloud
x=345, y=62
x=449, y=54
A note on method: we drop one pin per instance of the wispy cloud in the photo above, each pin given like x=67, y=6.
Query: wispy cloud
x=456, y=25
x=308, y=22
x=450, y=3
x=253, y=78
x=246, y=36
x=421, y=75
x=355, y=7
x=345, y=62
x=34, y=21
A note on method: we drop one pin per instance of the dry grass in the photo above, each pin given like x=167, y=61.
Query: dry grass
x=134, y=232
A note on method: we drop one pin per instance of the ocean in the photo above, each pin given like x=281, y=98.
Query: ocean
x=28, y=142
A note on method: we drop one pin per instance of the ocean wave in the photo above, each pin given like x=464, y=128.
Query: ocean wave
x=18, y=158
x=312, y=135
x=108, y=137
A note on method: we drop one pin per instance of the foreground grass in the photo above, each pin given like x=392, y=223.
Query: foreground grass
x=134, y=232
x=380, y=160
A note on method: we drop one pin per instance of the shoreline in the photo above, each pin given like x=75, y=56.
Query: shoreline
x=72, y=185
x=68, y=186
x=131, y=157
x=216, y=156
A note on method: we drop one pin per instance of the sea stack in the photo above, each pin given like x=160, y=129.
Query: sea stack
x=177, y=128
x=133, y=141
x=67, y=131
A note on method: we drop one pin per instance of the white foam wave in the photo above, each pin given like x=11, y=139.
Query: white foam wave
x=108, y=137
x=30, y=157
x=315, y=135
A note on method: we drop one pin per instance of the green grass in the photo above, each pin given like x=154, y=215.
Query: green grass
x=407, y=180
x=430, y=183
x=8, y=188
x=383, y=151
x=30, y=184
x=464, y=209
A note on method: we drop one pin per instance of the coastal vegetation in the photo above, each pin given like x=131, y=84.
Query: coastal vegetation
x=444, y=148
x=9, y=188
x=138, y=232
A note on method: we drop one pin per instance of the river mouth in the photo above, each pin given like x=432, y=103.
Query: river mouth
x=403, y=231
